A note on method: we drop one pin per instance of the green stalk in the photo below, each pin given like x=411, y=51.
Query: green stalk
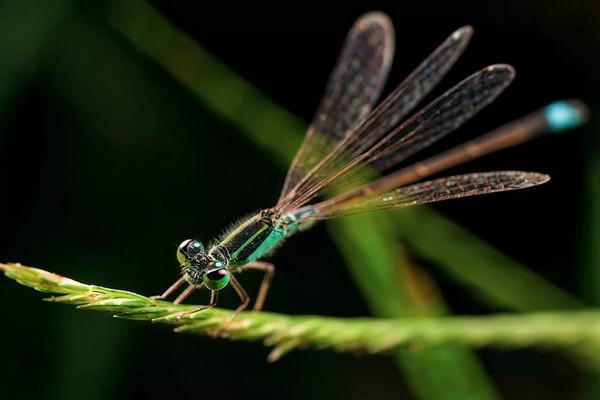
x=493, y=276
x=560, y=330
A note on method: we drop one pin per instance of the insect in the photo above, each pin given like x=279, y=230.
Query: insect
x=349, y=140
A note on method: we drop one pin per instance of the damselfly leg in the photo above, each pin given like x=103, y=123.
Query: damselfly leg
x=170, y=289
x=214, y=296
x=241, y=292
x=269, y=271
x=182, y=296
x=186, y=293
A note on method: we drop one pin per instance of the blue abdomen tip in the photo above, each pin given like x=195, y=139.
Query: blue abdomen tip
x=563, y=115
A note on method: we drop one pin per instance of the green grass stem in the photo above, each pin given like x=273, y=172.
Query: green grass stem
x=560, y=330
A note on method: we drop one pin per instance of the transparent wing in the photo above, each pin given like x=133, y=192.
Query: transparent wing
x=353, y=88
x=432, y=191
x=320, y=154
x=439, y=118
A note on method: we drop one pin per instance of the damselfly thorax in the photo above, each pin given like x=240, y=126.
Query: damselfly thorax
x=350, y=141
x=257, y=236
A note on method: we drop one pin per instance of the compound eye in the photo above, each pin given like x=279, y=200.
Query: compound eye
x=187, y=250
x=194, y=247
x=216, y=279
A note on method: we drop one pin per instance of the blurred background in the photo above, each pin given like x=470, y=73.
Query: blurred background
x=127, y=127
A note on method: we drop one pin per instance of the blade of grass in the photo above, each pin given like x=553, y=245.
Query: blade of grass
x=284, y=333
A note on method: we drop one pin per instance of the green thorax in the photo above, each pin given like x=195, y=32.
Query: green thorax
x=253, y=239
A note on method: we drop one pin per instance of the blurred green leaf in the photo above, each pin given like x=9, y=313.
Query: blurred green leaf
x=215, y=84
x=27, y=26
x=381, y=271
x=591, y=234
x=495, y=277
x=590, y=243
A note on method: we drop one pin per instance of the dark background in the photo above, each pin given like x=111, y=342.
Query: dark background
x=107, y=163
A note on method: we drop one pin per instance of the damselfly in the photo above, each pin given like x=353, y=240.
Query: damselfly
x=349, y=142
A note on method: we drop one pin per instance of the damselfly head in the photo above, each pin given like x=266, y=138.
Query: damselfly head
x=199, y=267
x=193, y=261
